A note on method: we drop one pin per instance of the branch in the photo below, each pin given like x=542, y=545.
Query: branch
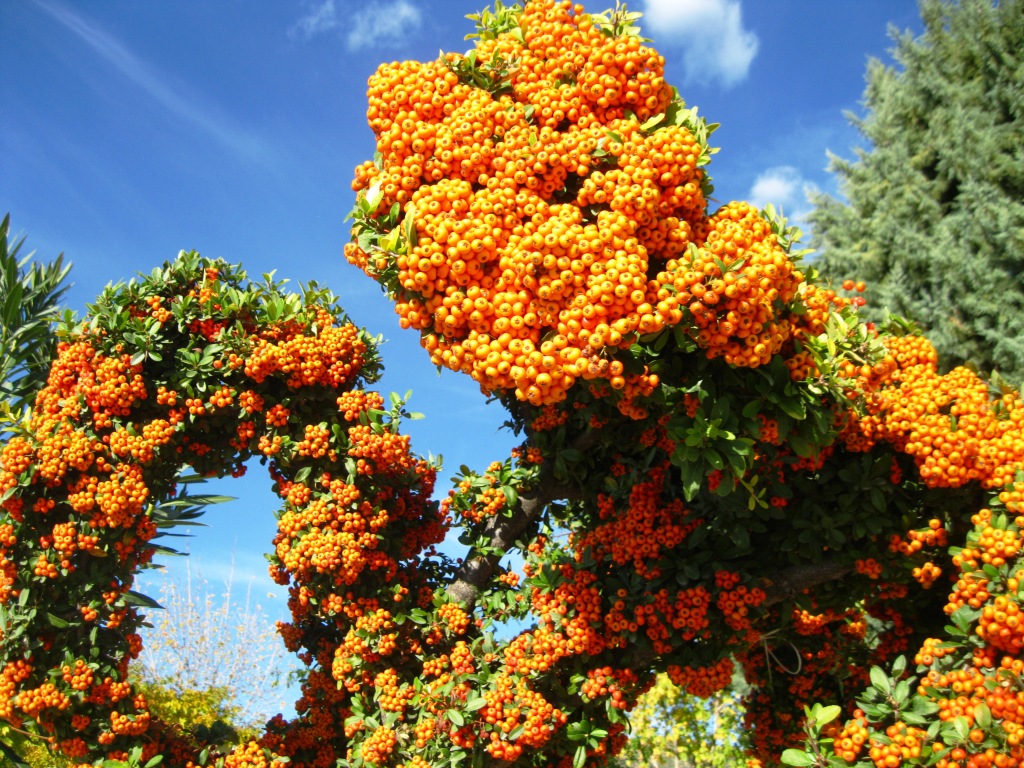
x=793, y=581
x=503, y=532
x=476, y=572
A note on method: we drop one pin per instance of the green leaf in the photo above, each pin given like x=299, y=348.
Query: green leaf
x=982, y=715
x=961, y=727
x=799, y=444
x=474, y=704
x=740, y=536
x=899, y=666
x=793, y=407
x=410, y=226
x=456, y=717
x=714, y=458
x=56, y=621
x=737, y=463
x=826, y=715
x=137, y=598
x=652, y=123
x=692, y=476
x=751, y=409
x=372, y=197
x=196, y=500
x=880, y=680
x=797, y=757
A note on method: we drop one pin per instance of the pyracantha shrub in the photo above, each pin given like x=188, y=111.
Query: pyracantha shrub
x=722, y=466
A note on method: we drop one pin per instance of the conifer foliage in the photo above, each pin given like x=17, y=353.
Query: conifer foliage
x=934, y=214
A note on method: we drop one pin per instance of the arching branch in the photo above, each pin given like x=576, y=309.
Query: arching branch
x=791, y=582
x=502, y=532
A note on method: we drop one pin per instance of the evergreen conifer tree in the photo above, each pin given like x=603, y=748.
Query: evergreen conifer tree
x=934, y=218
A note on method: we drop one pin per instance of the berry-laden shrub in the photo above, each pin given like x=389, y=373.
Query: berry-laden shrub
x=195, y=366
x=722, y=465
x=747, y=473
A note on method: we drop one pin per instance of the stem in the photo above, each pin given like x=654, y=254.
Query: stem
x=790, y=583
x=503, y=532
x=476, y=571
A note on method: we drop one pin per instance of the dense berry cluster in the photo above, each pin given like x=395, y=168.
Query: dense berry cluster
x=538, y=212
x=541, y=202
x=949, y=424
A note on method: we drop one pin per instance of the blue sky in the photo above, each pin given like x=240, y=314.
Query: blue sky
x=132, y=130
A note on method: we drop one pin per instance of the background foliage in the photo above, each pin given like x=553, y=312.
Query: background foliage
x=212, y=655
x=672, y=729
x=30, y=296
x=933, y=216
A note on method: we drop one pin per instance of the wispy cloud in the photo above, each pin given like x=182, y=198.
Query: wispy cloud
x=374, y=25
x=185, y=106
x=244, y=576
x=784, y=187
x=710, y=33
x=322, y=18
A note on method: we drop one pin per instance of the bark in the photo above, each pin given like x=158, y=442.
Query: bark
x=794, y=580
x=503, y=532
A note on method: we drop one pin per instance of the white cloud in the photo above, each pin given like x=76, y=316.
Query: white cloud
x=242, y=579
x=716, y=47
x=185, y=106
x=322, y=18
x=375, y=24
x=785, y=188
x=384, y=23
